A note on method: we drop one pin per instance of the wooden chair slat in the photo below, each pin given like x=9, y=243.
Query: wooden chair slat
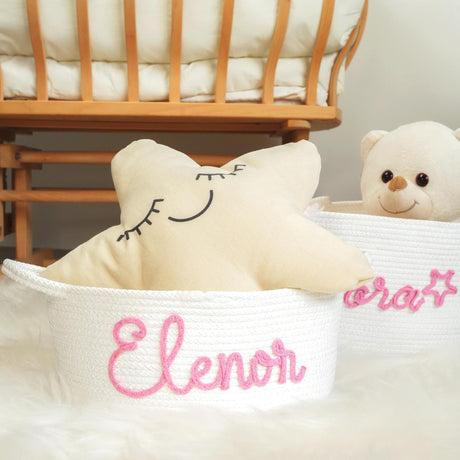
x=1, y=83
x=27, y=156
x=224, y=50
x=327, y=13
x=345, y=52
x=38, y=48
x=131, y=50
x=361, y=26
x=84, y=44
x=282, y=19
x=176, y=50
x=332, y=97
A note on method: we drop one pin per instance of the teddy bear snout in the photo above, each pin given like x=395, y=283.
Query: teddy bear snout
x=397, y=183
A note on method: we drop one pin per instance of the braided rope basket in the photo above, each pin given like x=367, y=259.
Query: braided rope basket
x=175, y=348
x=414, y=302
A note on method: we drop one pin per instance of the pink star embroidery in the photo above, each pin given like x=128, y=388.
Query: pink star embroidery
x=439, y=297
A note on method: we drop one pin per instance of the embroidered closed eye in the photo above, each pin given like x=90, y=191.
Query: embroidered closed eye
x=195, y=216
x=145, y=220
x=210, y=176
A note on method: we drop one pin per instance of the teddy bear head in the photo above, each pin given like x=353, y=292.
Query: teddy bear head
x=412, y=172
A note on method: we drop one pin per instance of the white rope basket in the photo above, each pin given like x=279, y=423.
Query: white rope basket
x=174, y=349
x=414, y=302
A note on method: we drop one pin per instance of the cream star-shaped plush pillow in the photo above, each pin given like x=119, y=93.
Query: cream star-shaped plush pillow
x=235, y=228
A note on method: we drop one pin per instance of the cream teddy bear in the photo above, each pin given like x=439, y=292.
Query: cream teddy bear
x=412, y=172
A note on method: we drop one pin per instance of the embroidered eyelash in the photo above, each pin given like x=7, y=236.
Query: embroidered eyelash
x=236, y=168
x=145, y=220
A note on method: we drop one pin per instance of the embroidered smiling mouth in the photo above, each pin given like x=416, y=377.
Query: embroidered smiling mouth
x=398, y=212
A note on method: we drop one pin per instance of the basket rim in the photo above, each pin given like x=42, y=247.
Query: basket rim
x=29, y=275
x=399, y=221
x=352, y=209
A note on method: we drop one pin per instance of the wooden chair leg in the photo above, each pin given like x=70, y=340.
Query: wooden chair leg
x=23, y=216
x=2, y=207
x=294, y=136
x=294, y=130
x=43, y=257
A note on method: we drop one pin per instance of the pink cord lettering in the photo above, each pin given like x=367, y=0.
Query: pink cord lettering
x=405, y=297
x=261, y=363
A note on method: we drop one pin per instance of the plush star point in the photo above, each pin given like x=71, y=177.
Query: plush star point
x=235, y=228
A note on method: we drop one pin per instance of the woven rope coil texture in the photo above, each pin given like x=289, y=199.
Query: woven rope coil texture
x=403, y=252
x=83, y=319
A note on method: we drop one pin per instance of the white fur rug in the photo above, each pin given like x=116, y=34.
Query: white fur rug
x=381, y=408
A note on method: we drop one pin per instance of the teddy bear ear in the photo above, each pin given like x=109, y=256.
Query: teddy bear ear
x=369, y=140
x=457, y=133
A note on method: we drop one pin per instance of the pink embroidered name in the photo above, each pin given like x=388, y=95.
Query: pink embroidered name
x=405, y=297
x=201, y=366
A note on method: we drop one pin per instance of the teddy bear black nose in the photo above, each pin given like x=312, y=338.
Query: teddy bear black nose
x=397, y=183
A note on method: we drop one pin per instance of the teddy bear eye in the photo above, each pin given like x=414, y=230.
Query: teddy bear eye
x=422, y=179
x=387, y=176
